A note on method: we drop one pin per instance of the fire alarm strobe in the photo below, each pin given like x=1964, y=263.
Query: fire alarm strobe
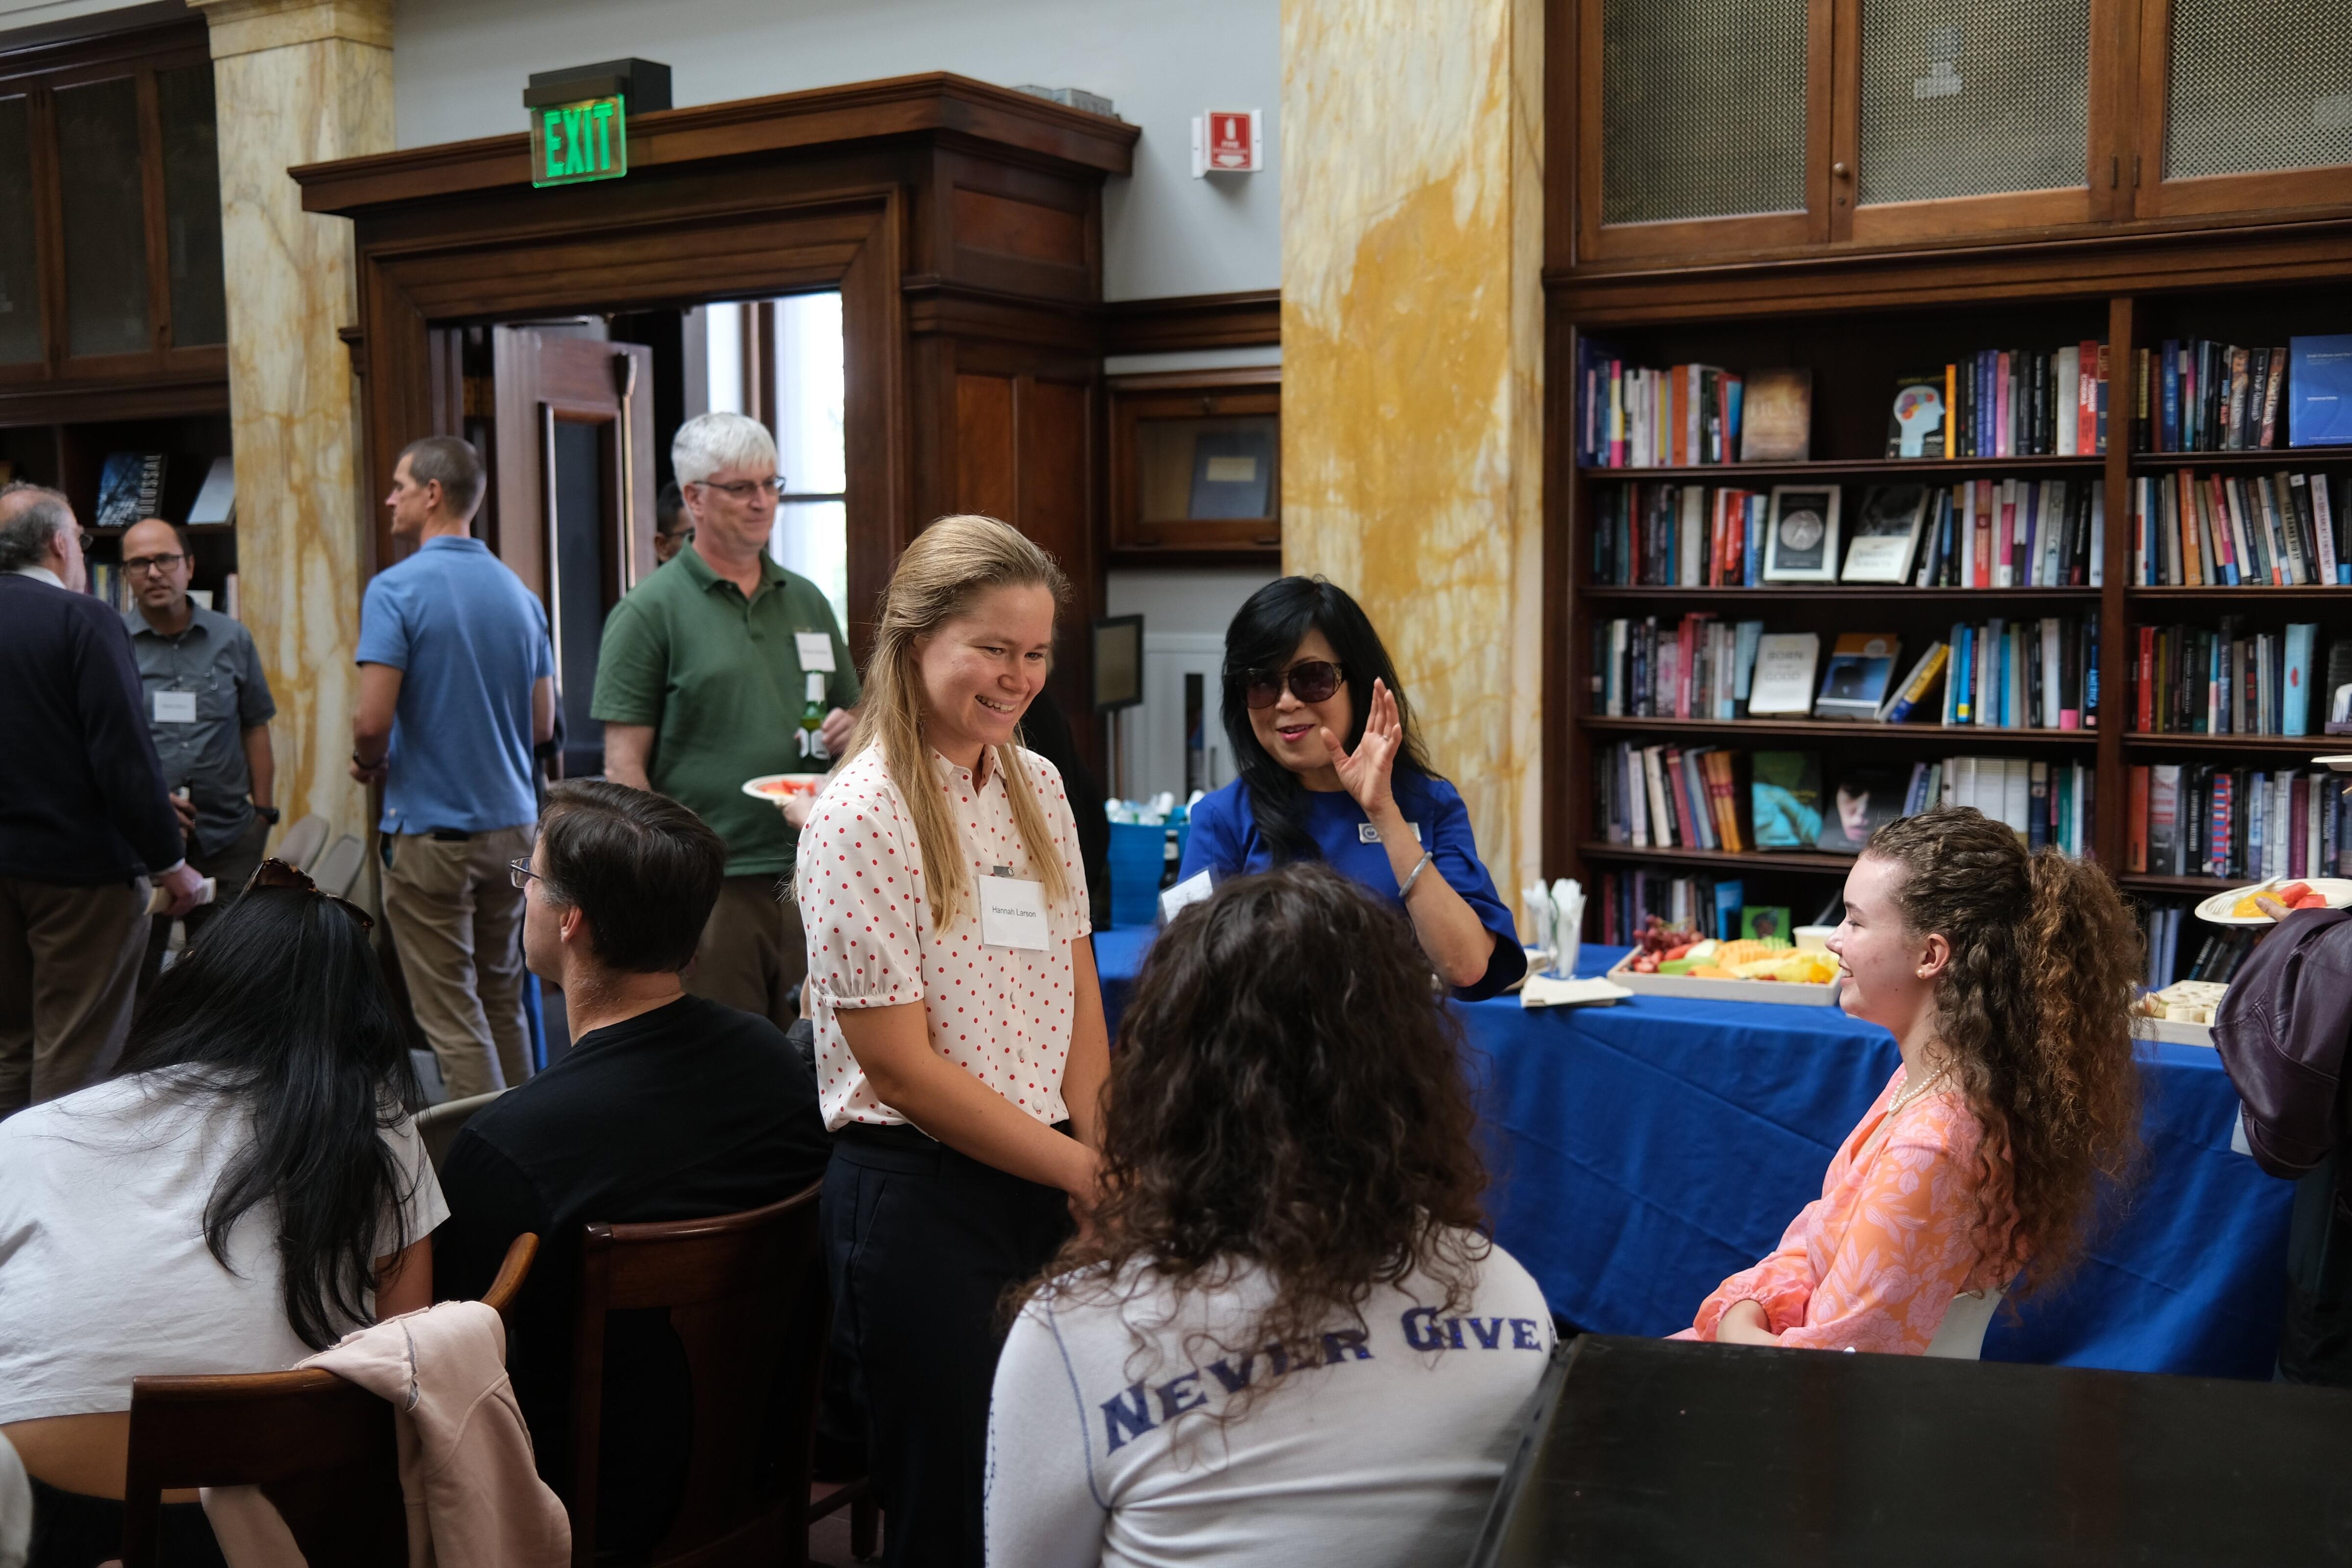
x=1226, y=141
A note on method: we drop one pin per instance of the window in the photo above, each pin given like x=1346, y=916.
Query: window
x=780, y=360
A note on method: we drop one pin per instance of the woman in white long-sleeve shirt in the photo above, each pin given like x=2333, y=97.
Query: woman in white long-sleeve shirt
x=1285, y=1340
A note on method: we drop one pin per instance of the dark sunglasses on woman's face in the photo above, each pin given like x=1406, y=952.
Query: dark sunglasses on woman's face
x=1310, y=680
x=275, y=873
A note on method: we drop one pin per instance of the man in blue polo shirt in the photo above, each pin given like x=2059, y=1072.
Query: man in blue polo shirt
x=457, y=686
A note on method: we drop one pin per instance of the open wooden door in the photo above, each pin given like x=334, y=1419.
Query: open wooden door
x=574, y=467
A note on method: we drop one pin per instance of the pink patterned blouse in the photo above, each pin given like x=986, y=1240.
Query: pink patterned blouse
x=1874, y=1263
x=1001, y=1014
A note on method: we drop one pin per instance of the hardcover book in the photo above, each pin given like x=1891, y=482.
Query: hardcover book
x=1783, y=677
x=1776, y=423
x=1855, y=681
x=2319, y=390
x=1887, y=538
x=1867, y=799
x=1915, y=426
x=1785, y=794
x=130, y=489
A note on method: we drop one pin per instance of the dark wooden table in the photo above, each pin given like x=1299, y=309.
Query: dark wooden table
x=1648, y=1452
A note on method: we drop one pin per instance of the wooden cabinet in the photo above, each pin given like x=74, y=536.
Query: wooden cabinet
x=111, y=263
x=1195, y=467
x=1705, y=132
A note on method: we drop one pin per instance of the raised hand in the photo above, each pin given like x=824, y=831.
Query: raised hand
x=1365, y=772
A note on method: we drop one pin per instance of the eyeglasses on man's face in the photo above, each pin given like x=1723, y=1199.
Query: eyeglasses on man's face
x=682, y=535
x=139, y=564
x=744, y=490
x=519, y=873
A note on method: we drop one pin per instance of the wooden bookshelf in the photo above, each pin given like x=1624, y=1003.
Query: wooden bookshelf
x=2304, y=746
x=1771, y=731
x=1858, y=325
x=2258, y=457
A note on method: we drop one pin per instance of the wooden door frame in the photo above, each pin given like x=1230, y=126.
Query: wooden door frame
x=947, y=212
x=848, y=239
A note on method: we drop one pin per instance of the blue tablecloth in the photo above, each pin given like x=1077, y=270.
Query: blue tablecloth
x=1642, y=1153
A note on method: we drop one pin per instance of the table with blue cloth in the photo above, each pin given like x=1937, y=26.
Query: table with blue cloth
x=1644, y=1152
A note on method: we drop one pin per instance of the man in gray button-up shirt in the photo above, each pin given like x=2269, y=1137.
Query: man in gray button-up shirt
x=209, y=707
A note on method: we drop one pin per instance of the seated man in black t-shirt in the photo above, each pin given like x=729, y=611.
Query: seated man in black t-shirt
x=667, y=1107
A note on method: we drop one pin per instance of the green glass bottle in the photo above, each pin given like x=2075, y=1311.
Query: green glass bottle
x=815, y=758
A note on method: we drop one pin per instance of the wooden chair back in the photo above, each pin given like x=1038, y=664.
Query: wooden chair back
x=323, y=1450
x=746, y=1295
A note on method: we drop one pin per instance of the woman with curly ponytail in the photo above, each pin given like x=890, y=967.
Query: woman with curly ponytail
x=2006, y=979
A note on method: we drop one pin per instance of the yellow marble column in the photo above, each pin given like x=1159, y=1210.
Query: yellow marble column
x=1412, y=138
x=298, y=81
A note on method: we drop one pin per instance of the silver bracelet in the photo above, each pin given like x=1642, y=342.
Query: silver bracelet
x=1405, y=892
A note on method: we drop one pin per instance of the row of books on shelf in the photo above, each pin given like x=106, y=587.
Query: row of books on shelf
x=130, y=489
x=2201, y=819
x=107, y=582
x=2227, y=680
x=1981, y=533
x=1714, y=906
x=2005, y=403
x=1666, y=796
x=2198, y=395
x=1994, y=403
x=2212, y=953
x=2277, y=529
x=2001, y=674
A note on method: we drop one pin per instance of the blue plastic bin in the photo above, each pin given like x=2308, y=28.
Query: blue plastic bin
x=1137, y=856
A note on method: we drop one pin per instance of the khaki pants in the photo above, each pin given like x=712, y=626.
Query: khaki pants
x=69, y=972
x=752, y=950
x=232, y=868
x=456, y=917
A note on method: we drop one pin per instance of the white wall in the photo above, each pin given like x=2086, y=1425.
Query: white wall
x=1185, y=613
x=459, y=67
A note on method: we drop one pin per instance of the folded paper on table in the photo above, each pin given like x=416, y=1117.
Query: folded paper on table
x=1543, y=991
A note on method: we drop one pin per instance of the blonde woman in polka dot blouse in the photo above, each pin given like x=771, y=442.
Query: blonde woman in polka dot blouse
x=961, y=1047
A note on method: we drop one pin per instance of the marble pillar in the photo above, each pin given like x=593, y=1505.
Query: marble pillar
x=298, y=81
x=1412, y=386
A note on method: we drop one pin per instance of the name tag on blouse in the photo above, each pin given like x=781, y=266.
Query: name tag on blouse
x=1012, y=913
x=1367, y=833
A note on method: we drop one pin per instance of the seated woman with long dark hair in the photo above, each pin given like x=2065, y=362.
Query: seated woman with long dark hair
x=1332, y=768
x=2006, y=979
x=1285, y=1336
x=247, y=1191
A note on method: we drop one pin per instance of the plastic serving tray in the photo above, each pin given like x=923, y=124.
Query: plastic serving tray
x=1724, y=990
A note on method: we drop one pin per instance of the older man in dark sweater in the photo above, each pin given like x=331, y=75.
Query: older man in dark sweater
x=84, y=817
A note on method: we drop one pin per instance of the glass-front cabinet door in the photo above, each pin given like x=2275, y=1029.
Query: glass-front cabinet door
x=2243, y=105
x=111, y=267
x=1713, y=128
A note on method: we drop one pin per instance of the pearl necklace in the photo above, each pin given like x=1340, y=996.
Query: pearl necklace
x=1906, y=1095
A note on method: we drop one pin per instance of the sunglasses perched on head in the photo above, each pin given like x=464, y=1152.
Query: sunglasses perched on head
x=1310, y=680
x=277, y=873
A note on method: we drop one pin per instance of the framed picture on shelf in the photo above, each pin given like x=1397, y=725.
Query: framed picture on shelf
x=1887, y=535
x=1801, y=536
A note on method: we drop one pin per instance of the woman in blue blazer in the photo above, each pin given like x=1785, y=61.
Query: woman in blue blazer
x=1332, y=768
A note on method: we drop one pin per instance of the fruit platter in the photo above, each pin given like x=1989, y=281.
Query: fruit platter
x=1671, y=961
x=777, y=788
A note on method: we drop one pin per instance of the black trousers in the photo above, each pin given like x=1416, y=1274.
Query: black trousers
x=921, y=1244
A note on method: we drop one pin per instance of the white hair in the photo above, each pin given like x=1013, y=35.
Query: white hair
x=710, y=443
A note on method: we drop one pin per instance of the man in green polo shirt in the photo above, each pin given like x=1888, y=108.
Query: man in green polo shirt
x=701, y=683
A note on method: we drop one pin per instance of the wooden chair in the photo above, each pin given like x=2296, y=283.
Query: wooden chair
x=322, y=1449
x=747, y=1297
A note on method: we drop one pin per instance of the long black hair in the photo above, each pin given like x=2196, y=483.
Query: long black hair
x=1265, y=632
x=280, y=1009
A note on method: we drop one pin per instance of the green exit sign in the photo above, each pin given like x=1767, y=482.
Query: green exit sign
x=572, y=142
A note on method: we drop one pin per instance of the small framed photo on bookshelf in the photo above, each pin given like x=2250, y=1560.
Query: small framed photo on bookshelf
x=1801, y=538
x=1886, y=534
